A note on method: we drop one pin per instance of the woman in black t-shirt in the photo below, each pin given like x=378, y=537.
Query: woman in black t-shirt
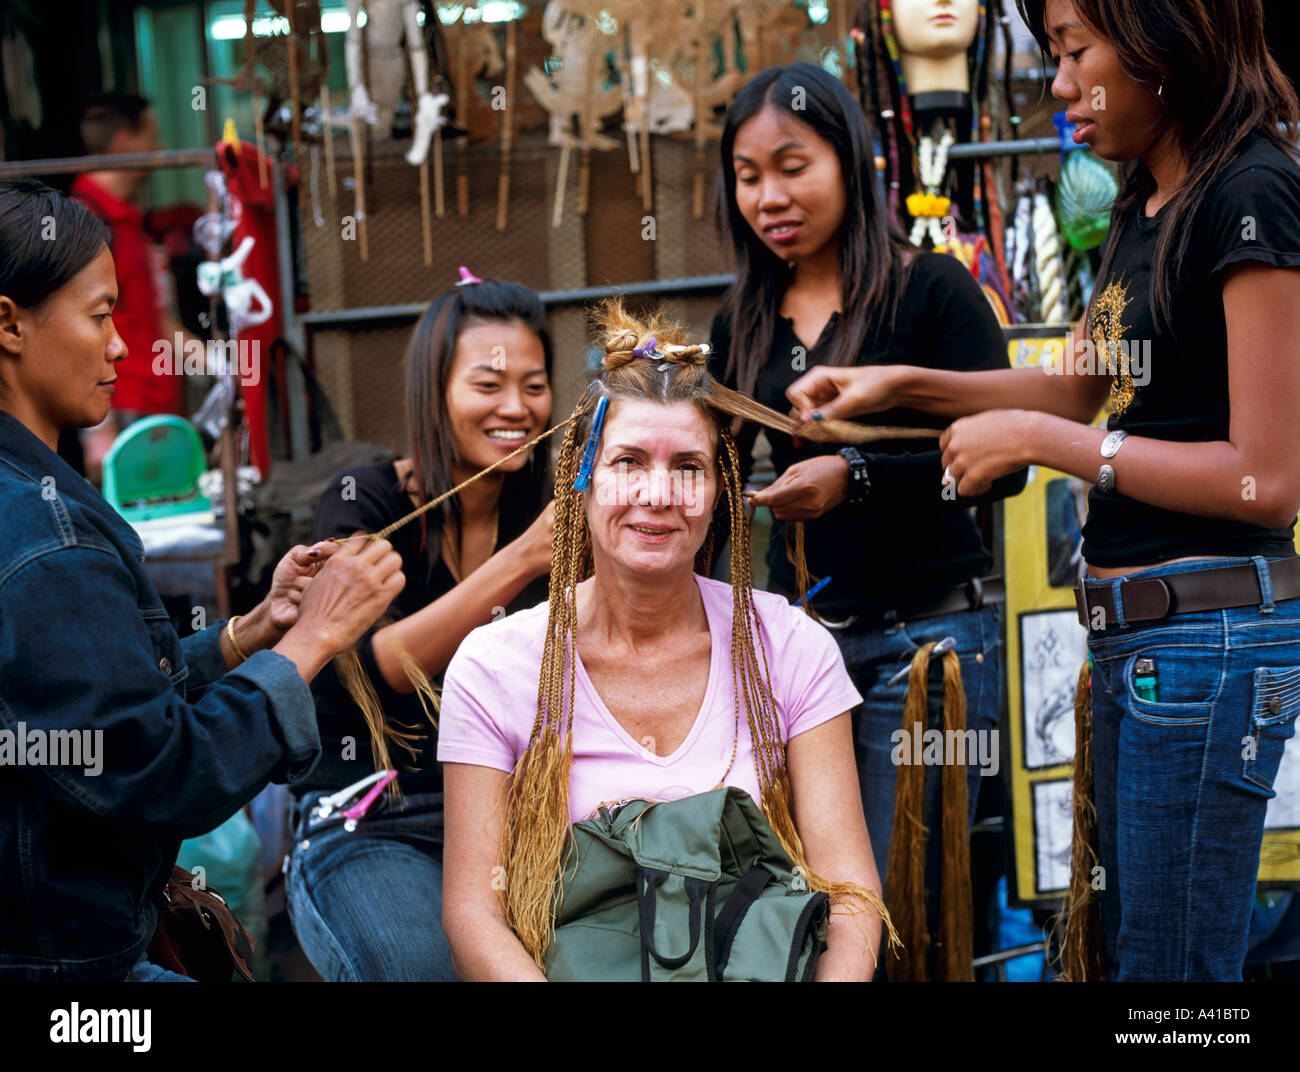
x=366, y=901
x=1193, y=334
x=821, y=277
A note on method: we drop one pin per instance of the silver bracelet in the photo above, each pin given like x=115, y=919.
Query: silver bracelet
x=1111, y=444
x=1106, y=478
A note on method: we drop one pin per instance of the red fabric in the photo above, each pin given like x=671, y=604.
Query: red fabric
x=254, y=207
x=138, y=315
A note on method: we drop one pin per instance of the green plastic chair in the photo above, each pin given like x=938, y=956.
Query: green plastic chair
x=152, y=470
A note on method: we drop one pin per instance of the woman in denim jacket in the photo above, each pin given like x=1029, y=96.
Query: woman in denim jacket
x=118, y=739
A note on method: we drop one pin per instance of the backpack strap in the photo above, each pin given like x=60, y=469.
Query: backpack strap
x=817, y=909
x=648, y=880
x=747, y=891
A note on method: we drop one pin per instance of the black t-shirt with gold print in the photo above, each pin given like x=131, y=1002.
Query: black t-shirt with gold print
x=1171, y=380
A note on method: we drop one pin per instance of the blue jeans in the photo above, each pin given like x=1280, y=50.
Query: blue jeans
x=872, y=657
x=366, y=904
x=146, y=971
x=1182, y=781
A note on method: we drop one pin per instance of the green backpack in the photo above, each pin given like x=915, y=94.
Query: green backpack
x=694, y=890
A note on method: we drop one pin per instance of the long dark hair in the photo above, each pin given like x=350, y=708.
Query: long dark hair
x=872, y=253
x=429, y=358
x=1222, y=86
x=45, y=240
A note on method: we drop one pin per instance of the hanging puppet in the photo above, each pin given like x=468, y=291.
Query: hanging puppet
x=576, y=91
x=392, y=34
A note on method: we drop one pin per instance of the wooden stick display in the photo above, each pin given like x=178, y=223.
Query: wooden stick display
x=327, y=136
x=359, y=181
x=507, y=124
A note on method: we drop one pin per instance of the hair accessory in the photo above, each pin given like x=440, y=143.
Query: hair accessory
x=467, y=277
x=359, y=809
x=648, y=350
x=589, y=451
x=807, y=596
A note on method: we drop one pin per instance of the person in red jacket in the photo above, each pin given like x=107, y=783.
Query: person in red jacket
x=124, y=123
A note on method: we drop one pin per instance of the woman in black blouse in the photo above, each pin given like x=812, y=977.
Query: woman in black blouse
x=823, y=278
x=366, y=902
x=1192, y=592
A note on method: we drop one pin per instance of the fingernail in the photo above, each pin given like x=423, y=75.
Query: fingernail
x=313, y=554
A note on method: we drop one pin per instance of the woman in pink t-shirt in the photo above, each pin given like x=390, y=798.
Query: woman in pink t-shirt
x=653, y=709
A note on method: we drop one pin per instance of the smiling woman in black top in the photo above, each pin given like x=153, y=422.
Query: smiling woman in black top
x=367, y=902
x=1194, y=628
x=823, y=279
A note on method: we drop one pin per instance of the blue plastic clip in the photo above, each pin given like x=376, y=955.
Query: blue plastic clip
x=589, y=452
x=807, y=598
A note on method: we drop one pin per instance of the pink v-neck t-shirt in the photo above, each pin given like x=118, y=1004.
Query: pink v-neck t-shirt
x=489, y=702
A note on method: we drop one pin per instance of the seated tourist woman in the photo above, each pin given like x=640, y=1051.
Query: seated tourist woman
x=663, y=662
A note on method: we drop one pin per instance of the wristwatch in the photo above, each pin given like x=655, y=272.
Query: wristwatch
x=859, y=481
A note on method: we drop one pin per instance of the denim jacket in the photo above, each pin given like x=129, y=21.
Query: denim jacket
x=92, y=675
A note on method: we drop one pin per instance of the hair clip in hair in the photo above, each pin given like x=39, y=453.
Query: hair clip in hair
x=467, y=277
x=665, y=366
x=589, y=452
x=649, y=349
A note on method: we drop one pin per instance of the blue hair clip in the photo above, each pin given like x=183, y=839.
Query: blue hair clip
x=808, y=596
x=649, y=349
x=589, y=452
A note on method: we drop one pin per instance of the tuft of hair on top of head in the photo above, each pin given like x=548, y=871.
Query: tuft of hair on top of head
x=622, y=333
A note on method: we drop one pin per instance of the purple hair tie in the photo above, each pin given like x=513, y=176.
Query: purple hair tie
x=467, y=277
x=648, y=348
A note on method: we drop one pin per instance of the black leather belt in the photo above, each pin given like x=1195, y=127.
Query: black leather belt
x=977, y=592
x=1148, y=599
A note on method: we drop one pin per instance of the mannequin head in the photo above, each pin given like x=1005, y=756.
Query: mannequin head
x=933, y=38
x=945, y=50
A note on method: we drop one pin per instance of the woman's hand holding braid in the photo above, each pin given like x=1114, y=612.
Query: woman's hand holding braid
x=348, y=595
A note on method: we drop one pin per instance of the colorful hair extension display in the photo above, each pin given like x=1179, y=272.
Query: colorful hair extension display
x=925, y=190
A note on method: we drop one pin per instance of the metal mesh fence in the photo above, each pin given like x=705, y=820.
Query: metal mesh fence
x=616, y=241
